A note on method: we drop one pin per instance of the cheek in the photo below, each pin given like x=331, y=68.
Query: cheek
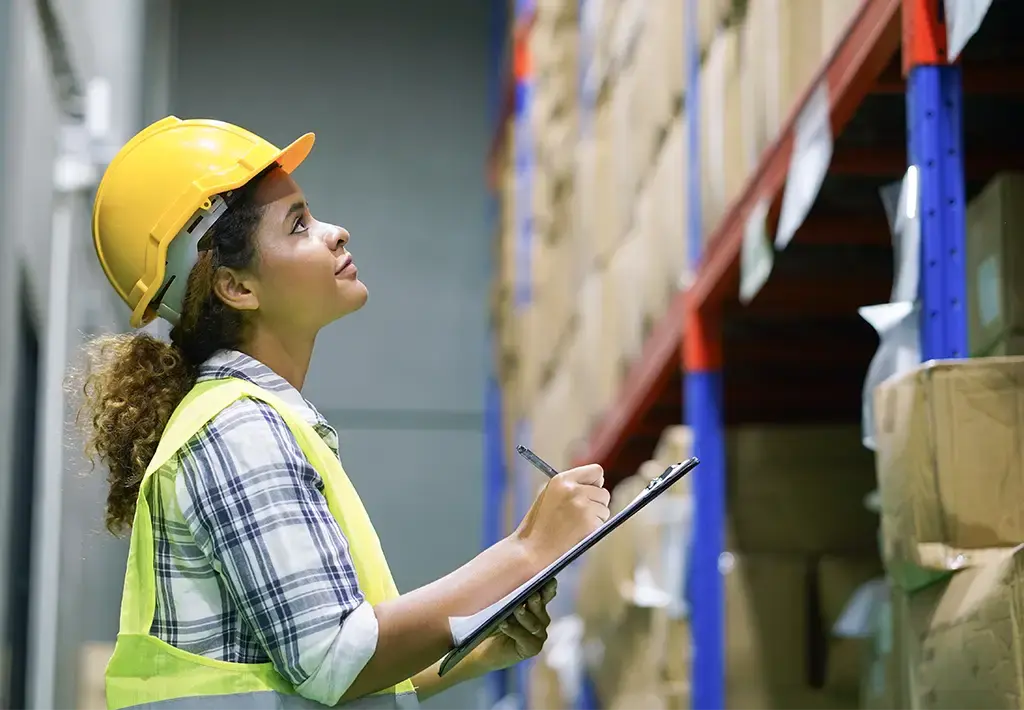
x=293, y=280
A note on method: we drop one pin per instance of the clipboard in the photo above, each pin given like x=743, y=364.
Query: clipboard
x=655, y=488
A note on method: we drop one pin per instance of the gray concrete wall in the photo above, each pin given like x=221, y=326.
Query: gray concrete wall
x=396, y=92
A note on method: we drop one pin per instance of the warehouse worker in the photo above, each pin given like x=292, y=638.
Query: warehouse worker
x=255, y=578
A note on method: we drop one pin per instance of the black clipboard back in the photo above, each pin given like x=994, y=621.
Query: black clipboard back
x=655, y=488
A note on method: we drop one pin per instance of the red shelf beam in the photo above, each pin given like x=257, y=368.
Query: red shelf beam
x=871, y=42
x=642, y=388
x=869, y=45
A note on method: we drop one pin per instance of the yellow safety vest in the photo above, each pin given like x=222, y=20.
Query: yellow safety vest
x=144, y=671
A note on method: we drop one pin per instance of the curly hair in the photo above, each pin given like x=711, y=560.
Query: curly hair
x=132, y=382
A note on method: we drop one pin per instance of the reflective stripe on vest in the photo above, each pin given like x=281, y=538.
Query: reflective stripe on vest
x=146, y=672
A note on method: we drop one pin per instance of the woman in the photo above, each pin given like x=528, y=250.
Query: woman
x=255, y=578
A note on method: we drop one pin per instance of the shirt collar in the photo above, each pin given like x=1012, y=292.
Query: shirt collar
x=231, y=363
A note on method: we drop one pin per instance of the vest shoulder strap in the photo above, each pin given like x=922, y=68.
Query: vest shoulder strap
x=204, y=402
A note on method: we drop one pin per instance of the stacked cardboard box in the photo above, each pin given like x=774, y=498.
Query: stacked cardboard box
x=951, y=480
x=602, y=249
x=995, y=268
x=605, y=250
x=636, y=640
x=801, y=543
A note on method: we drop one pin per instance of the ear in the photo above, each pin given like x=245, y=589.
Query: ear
x=235, y=289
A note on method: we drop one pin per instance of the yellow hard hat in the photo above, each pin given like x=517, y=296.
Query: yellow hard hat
x=161, y=193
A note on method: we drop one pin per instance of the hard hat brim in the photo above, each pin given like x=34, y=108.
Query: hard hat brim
x=291, y=157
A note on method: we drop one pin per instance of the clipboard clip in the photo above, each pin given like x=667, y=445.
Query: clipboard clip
x=668, y=473
x=660, y=478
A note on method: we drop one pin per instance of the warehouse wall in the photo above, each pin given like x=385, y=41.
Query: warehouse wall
x=70, y=552
x=396, y=92
x=8, y=325
x=399, y=163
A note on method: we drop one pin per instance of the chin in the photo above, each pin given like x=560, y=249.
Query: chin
x=354, y=298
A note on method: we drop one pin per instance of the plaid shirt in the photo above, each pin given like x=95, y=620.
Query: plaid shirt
x=250, y=564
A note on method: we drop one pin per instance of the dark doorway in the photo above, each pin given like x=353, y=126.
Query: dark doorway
x=19, y=532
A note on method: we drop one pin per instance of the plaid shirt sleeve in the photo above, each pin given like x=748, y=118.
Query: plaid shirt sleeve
x=254, y=505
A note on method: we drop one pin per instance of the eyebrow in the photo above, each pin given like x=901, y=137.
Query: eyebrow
x=299, y=206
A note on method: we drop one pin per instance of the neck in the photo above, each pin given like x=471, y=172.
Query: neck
x=288, y=357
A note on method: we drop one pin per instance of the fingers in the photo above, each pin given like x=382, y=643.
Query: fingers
x=600, y=512
x=527, y=644
x=591, y=474
x=599, y=495
x=548, y=591
x=536, y=606
x=528, y=617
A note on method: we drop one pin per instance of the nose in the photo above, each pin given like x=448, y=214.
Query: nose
x=337, y=237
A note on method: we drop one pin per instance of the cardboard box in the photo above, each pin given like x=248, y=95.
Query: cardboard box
x=767, y=633
x=674, y=445
x=610, y=206
x=723, y=158
x=787, y=49
x=587, y=198
x=836, y=16
x=839, y=577
x=599, y=315
x=995, y=262
x=544, y=689
x=668, y=47
x=626, y=273
x=557, y=418
x=752, y=105
x=670, y=222
x=93, y=657
x=949, y=464
x=800, y=489
x=805, y=698
x=963, y=638
x=654, y=286
x=1008, y=346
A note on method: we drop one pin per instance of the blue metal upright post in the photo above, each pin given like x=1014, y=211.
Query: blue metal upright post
x=702, y=361
x=935, y=148
x=587, y=88
x=495, y=475
x=494, y=493
x=523, y=149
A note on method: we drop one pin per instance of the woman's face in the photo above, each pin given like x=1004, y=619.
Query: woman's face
x=305, y=277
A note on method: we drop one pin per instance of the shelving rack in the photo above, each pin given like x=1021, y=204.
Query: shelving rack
x=798, y=351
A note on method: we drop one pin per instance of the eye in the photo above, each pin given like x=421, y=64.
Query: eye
x=299, y=225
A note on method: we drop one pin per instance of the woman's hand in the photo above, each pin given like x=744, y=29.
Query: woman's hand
x=571, y=506
x=520, y=637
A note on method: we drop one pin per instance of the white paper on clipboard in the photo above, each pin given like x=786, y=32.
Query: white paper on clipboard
x=462, y=627
x=808, y=165
x=467, y=632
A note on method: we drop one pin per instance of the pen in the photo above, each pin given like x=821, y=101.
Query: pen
x=537, y=461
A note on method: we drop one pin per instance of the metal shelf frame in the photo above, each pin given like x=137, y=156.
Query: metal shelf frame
x=935, y=147
x=690, y=338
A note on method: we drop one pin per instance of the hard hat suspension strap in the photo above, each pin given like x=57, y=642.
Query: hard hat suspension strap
x=182, y=254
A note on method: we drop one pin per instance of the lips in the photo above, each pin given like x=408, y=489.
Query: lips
x=343, y=264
